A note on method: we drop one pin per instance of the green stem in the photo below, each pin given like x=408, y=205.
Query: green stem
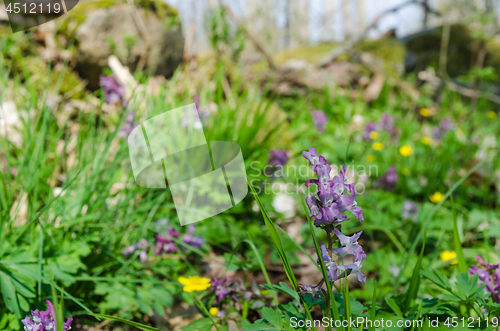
x=347, y=303
x=205, y=310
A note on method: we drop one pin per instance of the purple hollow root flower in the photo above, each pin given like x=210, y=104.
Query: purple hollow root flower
x=223, y=288
x=128, y=125
x=44, y=320
x=386, y=123
x=113, y=90
x=389, y=180
x=142, y=245
x=489, y=275
x=192, y=240
x=330, y=203
x=319, y=119
x=328, y=207
x=410, y=211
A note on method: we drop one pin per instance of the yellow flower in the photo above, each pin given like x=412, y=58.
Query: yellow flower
x=405, y=150
x=425, y=112
x=373, y=135
x=426, y=140
x=447, y=256
x=194, y=283
x=378, y=146
x=370, y=158
x=491, y=114
x=405, y=171
x=437, y=197
x=213, y=311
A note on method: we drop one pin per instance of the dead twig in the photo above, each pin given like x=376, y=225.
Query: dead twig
x=257, y=45
x=143, y=30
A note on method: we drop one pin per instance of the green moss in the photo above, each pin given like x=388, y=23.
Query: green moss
x=78, y=15
x=312, y=54
x=390, y=50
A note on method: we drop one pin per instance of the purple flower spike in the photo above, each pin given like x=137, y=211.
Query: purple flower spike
x=444, y=126
x=222, y=288
x=313, y=157
x=389, y=180
x=192, y=240
x=372, y=126
x=492, y=272
x=278, y=157
x=128, y=125
x=44, y=321
x=319, y=119
x=114, y=92
x=410, y=211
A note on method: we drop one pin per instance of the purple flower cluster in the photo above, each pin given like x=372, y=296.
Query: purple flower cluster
x=142, y=245
x=44, y=320
x=327, y=208
x=319, y=119
x=114, y=92
x=165, y=243
x=329, y=204
x=443, y=127
x=489, y=275
x=128, y=125
x=223, y=288
x=386, y=123
x=410, y=211
x=389, y=180
x=277, y=160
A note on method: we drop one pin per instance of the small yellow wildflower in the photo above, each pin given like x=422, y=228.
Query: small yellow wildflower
x=449, y=255
x=213, y=311
x=405, y=171
x=370, y=158
x=194, y=283
x=425, y=112
x=426, y=140
x=437, y=197
x=373, y=135
x=492, y=114
x=378, y=146
x=405, y=150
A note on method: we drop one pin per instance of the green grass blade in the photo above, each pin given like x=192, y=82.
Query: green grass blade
x=462, y=266
x=263, y=268
x=412, y=293
x=119, y=319
x=373, y=309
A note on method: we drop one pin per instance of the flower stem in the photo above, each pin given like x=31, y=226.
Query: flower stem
x=330, y=243
x=205, y=310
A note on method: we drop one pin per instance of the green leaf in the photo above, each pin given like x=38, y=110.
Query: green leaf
x=412, y=293
x=394, y=306
x=9, y=294
x=437, y=278
x=283, y=288
x=135, y=324
x=198, y=325
x=273, y=317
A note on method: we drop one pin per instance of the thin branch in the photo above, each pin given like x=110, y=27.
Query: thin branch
x=257, y=45
x=350, y=44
